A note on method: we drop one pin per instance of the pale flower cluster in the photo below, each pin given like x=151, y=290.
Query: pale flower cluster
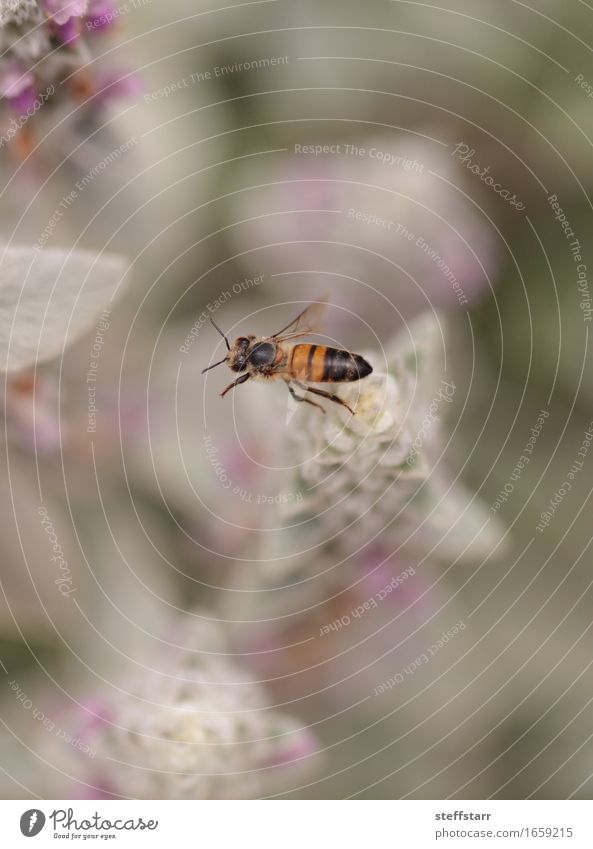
x=200, y=730
x=355, y=459
x=380, y=471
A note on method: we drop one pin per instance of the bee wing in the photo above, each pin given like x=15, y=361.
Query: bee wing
x=308, y=321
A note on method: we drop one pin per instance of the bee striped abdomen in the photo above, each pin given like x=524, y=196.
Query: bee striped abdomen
x=320, y=364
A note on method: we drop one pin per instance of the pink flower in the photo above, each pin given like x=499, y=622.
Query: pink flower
x=300, y=746
x=17, y=85
x=69, y=32
x=25, y=101
x=95, y=714
x=100, y=15
x=31, y=64
x=118, y=84
x=15, y=80
x=61, y=11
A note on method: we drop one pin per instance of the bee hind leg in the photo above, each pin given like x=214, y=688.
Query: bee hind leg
x=301, y=399
x=327, y=395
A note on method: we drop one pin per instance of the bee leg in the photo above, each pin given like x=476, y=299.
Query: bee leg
x=306, y=400
x=328, y=395
x=236, y=382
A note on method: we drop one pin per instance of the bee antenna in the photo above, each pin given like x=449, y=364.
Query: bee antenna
x=219, y=363
x=221, y=333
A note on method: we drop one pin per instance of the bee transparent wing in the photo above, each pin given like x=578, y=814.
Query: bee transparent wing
x=308, y=321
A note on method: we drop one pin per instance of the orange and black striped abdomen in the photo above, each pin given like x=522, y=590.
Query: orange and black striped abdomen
x=320, y=364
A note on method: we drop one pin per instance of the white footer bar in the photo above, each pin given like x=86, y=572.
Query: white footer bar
x=299, y=824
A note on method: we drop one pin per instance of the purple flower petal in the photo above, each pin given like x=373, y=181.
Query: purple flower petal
x=68, y=32
x=61, y=11
x=118, y=85
x=14, y=80
x=24, y=101
x=101, y=15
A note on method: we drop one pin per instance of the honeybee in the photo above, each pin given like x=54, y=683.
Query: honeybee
x=298, y=365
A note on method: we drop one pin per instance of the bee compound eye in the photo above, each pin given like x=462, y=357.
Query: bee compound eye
x=263, y=354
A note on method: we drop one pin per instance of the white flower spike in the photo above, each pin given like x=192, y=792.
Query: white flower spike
x=201, y=730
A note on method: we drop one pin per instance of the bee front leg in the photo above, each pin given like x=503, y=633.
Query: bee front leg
x=300, y=399
x=236, y=382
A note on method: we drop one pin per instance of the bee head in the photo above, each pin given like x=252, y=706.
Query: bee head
x=237, y=358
